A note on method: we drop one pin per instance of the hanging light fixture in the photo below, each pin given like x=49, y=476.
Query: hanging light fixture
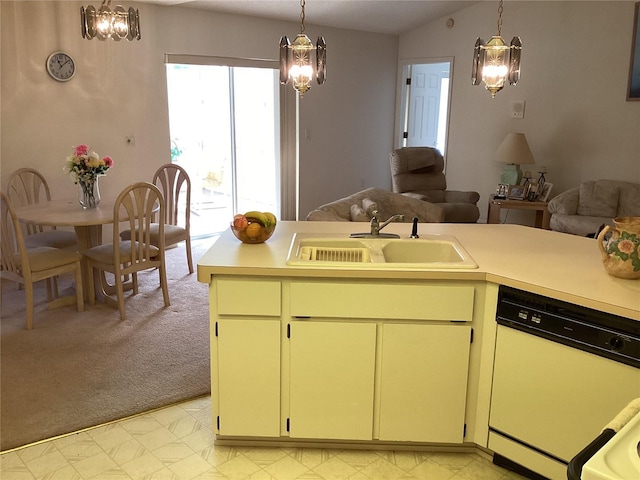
x=105, y=23
x=296, y=59
x=495, y=62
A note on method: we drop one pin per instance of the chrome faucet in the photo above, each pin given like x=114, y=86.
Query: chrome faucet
x=376, y=226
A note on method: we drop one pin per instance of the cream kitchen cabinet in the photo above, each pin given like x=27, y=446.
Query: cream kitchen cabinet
x=421, y=359
x=245, y=357
x=423, y=385
x=340, y=360
x=332, y=379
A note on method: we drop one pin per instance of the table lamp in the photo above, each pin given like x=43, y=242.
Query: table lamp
x=514, y=151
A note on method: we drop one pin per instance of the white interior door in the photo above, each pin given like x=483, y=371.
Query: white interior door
x=426, y=104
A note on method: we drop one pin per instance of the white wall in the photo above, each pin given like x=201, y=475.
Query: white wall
x=575, y=67
x=120, y=89
x=577, y=119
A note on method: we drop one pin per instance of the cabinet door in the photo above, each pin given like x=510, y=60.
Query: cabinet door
x=332, y=378
x=249, y=377
x=424, y=382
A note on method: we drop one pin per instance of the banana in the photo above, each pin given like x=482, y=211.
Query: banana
x=271, y=217
x=261, y=218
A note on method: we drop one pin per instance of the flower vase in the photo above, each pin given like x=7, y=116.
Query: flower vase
x=89, y=193
x=621, y=252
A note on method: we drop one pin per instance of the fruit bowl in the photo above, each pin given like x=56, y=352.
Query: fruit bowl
x=253, y=232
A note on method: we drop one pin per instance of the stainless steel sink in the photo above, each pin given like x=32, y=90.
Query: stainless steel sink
x=430, y=252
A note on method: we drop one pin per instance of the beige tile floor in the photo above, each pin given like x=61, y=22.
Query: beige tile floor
x=176, y=443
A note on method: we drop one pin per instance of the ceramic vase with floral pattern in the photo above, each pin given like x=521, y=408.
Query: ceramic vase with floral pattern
x=621, y=251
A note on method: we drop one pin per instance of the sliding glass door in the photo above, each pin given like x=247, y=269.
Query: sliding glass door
x=225, y=128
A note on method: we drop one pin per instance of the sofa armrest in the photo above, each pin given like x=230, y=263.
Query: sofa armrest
x=456, y=196
x=325, y=216
x=565, y=203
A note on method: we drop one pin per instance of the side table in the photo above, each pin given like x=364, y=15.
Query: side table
x=542, y=213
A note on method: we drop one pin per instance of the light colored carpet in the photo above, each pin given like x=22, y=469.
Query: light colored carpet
x=76, y=370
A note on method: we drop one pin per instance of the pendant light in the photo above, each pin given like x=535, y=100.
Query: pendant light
x=495, y=62
x=296, y=62
x=105, y=23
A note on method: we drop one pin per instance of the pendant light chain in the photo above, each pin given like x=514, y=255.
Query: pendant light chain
x=500, y=8
x=302, y=4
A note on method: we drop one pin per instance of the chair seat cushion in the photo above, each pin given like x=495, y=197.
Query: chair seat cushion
x=105, y=253
x=51, y=238
x=44, y=258
x=172, y=234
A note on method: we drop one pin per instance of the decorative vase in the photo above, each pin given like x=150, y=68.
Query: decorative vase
x=89, y=192
x=621, y=252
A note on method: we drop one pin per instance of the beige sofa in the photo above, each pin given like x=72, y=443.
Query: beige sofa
x=418, y=172
x=359, y=206
x=583, y=210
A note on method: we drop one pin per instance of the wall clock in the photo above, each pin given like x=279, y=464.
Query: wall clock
x=61, y=66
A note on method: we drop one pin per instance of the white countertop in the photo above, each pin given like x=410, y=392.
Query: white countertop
x=558, y=265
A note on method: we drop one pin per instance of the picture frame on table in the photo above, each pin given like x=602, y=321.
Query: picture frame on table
x=501, y=191
x=517, y=192
x=545, y=192
x=633, y=93
x=532, y=193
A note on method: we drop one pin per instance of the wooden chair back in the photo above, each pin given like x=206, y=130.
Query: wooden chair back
x=170, y=179
x=134, y=210
x=27, y=186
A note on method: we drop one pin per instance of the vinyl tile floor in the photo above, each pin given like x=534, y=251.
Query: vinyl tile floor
x=177, y=443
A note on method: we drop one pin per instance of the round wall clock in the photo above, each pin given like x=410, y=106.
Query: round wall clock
x=61, y=66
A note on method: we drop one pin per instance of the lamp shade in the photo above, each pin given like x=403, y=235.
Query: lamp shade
x=515, y=149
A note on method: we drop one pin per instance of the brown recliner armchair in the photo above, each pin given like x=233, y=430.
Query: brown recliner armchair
x=418, y=172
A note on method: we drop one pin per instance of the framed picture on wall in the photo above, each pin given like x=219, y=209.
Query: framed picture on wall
x=634, y=68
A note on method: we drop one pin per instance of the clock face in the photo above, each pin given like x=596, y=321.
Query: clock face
x=61, y=66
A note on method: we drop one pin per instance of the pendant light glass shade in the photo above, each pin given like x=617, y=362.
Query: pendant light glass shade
x=105, y=23
x=300, y=61
x=496, y=63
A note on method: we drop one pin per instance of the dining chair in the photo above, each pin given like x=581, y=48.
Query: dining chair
x=27, y=266
x=170, y=179
x=134, y=209
x=27, y=186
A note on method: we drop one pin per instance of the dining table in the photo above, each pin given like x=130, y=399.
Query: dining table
x=87, y=223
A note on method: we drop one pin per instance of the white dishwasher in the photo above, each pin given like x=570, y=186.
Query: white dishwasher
x=561, y=372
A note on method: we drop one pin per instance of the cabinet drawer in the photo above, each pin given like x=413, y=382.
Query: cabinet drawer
x=246, y=297
x=377, y=300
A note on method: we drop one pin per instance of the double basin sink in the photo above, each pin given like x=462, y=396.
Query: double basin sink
x=429, y=252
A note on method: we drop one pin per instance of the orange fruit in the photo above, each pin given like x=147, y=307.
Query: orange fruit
x=253, y=230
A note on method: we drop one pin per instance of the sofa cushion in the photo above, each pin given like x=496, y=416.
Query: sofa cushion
x=598, y=199
x=582, y=225
x=629, y=201
x=358, y=214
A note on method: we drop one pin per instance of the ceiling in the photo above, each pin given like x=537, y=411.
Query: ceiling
x=381, y=16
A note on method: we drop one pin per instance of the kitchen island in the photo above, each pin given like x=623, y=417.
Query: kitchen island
x=562, y=266
x=374, y=357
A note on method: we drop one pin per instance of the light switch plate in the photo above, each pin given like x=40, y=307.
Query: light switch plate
x=517, y=109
